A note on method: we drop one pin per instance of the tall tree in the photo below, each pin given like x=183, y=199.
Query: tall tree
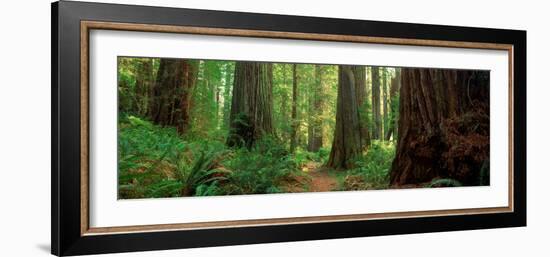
x=207, y=96
x=346, y=145
x=376, y=134
x=443, y=126
x=228, y=71
x=360, y=75
x=144, y=84
x=294, y=115
x=394, y=105
x=170, y=103
x=282, y=92
x=251, y=104
x=385, y=116
x=315, y=126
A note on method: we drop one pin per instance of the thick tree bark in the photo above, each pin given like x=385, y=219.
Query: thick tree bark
x=360, y=75
x=252, y=104
x=227, y=86
x=376, y=134
x=170, y=103
x=346, y=146
x=443, y=126
x=294, y=115
x=284, y=112
x=393, y=104
x=385, y=117
x=315, y=126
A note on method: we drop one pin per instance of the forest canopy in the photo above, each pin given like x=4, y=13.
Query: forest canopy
x=207, y=127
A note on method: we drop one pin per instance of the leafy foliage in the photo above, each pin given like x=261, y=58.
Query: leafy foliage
x=262, y=169
x=143, y=153
x=156, y=161
x=444, y=182
x=372, y=170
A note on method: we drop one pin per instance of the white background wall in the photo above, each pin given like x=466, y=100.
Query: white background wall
x=25, y=127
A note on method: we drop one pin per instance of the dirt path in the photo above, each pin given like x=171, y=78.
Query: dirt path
x=321, y=180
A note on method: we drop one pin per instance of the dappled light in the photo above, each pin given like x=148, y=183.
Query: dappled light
x=211, y=128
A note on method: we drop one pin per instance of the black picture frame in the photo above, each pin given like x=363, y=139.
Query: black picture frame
x=66, y=128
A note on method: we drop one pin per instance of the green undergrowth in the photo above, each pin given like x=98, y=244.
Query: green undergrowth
x=371, y=170
x=156, y=162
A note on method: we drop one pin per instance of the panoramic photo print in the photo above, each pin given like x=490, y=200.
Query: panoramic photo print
x=212, y=128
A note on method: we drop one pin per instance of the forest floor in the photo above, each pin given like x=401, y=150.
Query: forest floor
x=321, y=179
x=156, y=162
x=317, y=179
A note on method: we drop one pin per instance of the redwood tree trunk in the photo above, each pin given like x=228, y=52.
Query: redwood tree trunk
x=315, y=129
x=443, y=126
x=393, y=105
x=229, y=72
x=376, y=134
x=252, y=104
x=294, y=115
x=384, y=102
x=171, y=99
x=347, y=135
x=360, y=75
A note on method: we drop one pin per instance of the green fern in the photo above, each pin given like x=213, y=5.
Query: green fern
x=201, y=172
x=444, y=182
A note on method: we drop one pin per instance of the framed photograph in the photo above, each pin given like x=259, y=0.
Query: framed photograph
x=178, y=128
